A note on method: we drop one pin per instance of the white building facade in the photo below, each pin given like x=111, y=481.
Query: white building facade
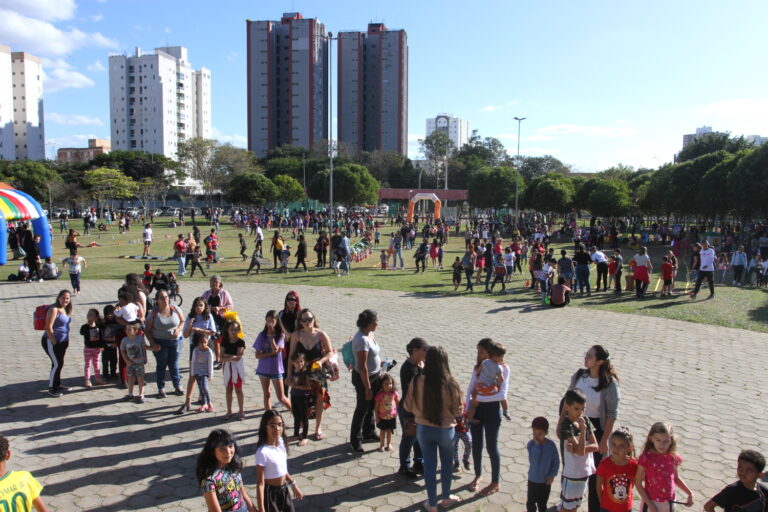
x=455, y=128
x=22, y=120
x=157, y=100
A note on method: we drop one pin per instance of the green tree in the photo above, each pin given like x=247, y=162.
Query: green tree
x=405, y=176
x=711, y=142
x=717, y=197
x=749, y=183
x=609, y=198
x=138, y=165
x=380, y=163
x=231, y=161
x=289, y=189
x=437, y=147
x=491, y=187
x=105, y=183
x=29, y=176
x=551, y=193
x=288, y=166
x=617, y=172
x=251, y=189
x=534, y=166
x=352, y=185
x=196, y=157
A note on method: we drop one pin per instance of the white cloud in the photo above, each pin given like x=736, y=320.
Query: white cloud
x=65, y=78
x=232, y=56
x=70, y=141
x=47, y=10
x=72, y=119
x=167, y=30
x=96, y=17
x=598, y=131
x=494, y=108
x=415, y=137
x=40, y=37
x=537, y=137
x=96, y=66
x=240, y=141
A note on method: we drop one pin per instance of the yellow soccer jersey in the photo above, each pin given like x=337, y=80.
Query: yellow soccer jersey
x=18, y=489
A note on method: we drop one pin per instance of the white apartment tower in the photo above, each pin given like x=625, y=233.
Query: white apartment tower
x=455, y=128
x=22, y=133
x=287, y=83
x=157, y=100
x=373, y=89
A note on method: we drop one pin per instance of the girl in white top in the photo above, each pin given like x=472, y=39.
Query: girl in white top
x=272, y=478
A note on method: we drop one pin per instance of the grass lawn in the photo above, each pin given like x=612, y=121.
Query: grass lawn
x=744, y=308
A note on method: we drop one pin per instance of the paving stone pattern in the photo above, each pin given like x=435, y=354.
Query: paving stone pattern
x=94, y=452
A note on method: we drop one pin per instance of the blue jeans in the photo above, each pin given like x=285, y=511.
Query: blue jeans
x=407, y=442
x=436, y=441
x=397, y=254
x=182, y=264
x=582, y=276
x=489, y=414
x=168, y=356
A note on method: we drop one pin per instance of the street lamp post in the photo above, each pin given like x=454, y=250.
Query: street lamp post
x=517, y=184
x=329, y=37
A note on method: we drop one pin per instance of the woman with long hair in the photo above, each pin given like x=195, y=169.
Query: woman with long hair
x=316, y=346
x=273, y=482
x=55, y=339
x=600, y=384
x=365, y=379
x=434, y=398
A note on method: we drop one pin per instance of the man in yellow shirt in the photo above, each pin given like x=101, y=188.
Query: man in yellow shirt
x=18, y=489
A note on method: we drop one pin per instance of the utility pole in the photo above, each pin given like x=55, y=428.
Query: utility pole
x=517, y=211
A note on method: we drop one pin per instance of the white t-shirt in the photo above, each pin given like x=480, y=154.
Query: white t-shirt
x=147, y=234
x=586, y=385
x=509, y=259
x=545, y=270
x=707, y=258
x=599, y=257
x=274, y=460
x=73, y=262
x=129, y=312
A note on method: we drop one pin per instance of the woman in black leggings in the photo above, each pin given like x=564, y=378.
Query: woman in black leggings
x=55, y=340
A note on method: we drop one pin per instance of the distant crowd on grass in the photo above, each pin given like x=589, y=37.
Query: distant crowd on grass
x=441, y=426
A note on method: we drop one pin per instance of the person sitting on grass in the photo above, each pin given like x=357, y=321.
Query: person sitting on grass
x=560, y=294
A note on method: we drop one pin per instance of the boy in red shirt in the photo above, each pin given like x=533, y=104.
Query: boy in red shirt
x=667, y=270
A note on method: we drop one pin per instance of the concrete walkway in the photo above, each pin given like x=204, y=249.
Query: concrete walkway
x=94, y=452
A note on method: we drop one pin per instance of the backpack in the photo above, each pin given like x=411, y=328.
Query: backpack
x=38, y=317
x=501, y=269
x=347, y=355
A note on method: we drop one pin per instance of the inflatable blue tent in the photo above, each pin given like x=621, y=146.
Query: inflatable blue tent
x=15, y=205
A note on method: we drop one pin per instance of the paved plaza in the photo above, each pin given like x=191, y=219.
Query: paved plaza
x=94, y=452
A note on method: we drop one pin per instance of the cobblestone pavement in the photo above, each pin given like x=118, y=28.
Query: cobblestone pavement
x=94, y=452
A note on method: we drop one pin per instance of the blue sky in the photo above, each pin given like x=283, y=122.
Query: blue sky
x=600, y=82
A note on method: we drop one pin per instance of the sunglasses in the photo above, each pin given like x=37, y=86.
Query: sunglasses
x=307, y=318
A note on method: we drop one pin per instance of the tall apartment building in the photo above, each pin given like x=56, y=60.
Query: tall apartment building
x=157, y=100
x=690, y=137
x=373, y=89
x=455, y=128
x=287, y=83
x=22, y=126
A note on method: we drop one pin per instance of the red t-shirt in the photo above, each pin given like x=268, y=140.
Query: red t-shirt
x=666, y=270
x=618, y=482
x=612, y=268
x=180, y=246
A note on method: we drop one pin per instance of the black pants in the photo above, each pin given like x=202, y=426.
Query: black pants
x=593, y=498
x=641, y=287
x=738, y=271
x=518, y=266
x=498, y=278
x=422, y=262
x=276, y=256
x=196, y=264
x=708, y=275
x=109, y=361
x=299, y=410
x=602, y=273
x=56, y=354
x=617, y=278
x=300, y=261
x=538, y=495
x=362, y=418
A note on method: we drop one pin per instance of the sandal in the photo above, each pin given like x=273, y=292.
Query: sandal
x=226, y=416
x=489, y=489
x=319, y=436
x=427, y=507
x=302, y=442
x=473, y=484
x=450, y=500
x=240, y=416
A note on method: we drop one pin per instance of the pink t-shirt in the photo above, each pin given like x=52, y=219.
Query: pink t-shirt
x=386, y=404
x=660, y=474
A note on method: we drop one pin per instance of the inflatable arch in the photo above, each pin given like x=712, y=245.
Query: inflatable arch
x=419, y=197
x=16, y=205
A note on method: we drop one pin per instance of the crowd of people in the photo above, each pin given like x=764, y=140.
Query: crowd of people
x=298, y=361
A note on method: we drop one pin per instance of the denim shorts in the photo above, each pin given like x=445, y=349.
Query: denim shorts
x=566, y=275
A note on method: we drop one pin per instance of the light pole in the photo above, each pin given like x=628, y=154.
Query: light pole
x=517, y=178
